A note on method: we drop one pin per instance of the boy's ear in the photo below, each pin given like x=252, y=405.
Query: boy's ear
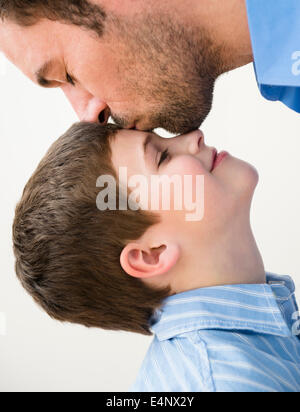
x=141, y=262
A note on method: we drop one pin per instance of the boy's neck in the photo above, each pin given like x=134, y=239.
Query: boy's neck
x=233, y=259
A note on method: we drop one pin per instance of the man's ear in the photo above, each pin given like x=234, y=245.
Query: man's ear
x=141, y=262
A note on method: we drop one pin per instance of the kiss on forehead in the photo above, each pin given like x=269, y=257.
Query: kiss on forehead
x=121, y=229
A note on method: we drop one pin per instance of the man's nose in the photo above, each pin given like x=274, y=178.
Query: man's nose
x=87, y=107
x=95, y=111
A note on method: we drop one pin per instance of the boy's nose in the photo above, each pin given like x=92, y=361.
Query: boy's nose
x=191, y=143
x=195, y=142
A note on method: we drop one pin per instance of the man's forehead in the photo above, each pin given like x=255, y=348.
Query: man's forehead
x=9, y=34
x=29, y=48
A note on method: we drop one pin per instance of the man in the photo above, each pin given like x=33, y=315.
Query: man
x=152, y=63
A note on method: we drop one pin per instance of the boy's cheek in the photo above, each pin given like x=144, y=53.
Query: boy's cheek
x=184, y=166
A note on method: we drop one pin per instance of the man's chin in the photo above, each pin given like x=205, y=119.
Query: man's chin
x=182, y=123
x=179, y=129
x=175, y=126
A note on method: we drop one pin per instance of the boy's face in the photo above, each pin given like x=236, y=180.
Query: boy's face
x=226, y=194
x=226, y=190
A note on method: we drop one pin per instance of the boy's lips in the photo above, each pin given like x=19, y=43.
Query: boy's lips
x=217, y=158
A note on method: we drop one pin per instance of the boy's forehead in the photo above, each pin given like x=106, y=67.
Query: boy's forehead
x=128, y=149
x=135, y=135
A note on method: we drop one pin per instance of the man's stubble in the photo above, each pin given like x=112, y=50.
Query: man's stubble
x=169, y=68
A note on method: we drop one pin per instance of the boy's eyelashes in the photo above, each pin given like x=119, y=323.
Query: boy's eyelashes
x=164, y=156
x=70, y=79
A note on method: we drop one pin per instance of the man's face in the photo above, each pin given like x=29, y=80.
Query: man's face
x=147, y=70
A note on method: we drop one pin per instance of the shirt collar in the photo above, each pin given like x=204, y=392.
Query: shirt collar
x=252, y=308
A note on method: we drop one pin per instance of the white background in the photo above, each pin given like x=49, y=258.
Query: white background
x=40, y=354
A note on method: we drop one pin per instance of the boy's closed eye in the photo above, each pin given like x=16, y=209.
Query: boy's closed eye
x=164, y=156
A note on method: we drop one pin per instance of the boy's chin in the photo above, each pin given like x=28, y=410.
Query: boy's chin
x=251, y=177
x=243, y=176
x=240, y=181
x=247, y=182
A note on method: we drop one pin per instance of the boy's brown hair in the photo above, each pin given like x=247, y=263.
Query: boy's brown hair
x=67, y=251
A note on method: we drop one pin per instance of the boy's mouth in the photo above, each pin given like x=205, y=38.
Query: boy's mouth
x=217, y=158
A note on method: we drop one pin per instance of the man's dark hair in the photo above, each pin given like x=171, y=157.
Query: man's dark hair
x=78, y=12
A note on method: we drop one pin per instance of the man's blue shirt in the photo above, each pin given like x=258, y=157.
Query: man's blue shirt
x=275, y=34
x=235, y=338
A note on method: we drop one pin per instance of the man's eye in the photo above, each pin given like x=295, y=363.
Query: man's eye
x=70, y=79
x=163, y=157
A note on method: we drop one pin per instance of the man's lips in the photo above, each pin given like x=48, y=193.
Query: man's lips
x=217, y=158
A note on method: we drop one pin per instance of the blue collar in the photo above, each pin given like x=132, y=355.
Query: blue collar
x=256, y=308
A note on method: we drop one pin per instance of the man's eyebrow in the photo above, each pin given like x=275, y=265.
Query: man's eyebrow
x=43, y=72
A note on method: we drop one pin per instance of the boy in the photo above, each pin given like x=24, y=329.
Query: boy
x=220, y=322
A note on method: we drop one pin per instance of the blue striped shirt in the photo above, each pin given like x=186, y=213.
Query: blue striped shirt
x=235, y=338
